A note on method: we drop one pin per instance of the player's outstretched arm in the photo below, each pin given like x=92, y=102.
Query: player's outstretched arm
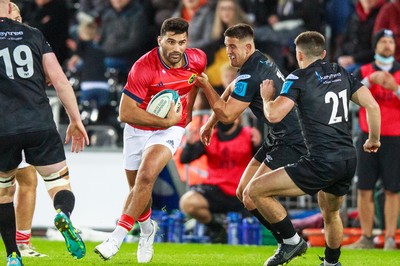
x=225, y=111
x=364, y=98
x=66, y=94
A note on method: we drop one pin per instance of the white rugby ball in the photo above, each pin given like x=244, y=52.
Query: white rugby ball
x=160, y=103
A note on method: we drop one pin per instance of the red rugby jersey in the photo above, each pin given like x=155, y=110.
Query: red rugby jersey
x=150, y=75
x=227, y=160
x=388, y=102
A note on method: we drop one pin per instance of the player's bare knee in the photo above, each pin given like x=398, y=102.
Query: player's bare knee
x=183, y=202
x=189, y=202
x=247, y=201
x=56, y=180
x=239, y=193
x=146, y=178
x=27, y=178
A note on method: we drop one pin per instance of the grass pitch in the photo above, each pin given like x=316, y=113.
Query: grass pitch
x=199, y=254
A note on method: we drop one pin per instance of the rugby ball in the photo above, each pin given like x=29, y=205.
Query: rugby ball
x=160, y=103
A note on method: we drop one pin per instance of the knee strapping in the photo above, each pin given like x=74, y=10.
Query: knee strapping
x=57, y=179
x=6, y=182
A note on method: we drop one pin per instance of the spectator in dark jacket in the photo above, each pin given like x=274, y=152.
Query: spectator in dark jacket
x=124, y=34
x=52, y=19
x=356, y=48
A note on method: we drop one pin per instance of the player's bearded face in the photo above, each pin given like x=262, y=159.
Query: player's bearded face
x=172, y=47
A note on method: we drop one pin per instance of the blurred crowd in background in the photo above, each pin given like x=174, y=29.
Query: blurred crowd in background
x=97, y=41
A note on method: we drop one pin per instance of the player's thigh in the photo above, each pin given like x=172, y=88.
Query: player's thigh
x=275, y=183
x=158, y=151
x=248, y=174
x=389, y=163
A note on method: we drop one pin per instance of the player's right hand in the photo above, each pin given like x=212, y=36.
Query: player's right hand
x=267, y=89
x=172, y=116
x=205, y=133
x=371, y=146
x=77, y=132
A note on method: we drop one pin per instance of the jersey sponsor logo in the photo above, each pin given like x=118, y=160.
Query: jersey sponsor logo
x=242, y=77
x=286, y=86
x=335, y=77
x=291, y=76
x=11, y=33
x=240, y=88
x=192, y=78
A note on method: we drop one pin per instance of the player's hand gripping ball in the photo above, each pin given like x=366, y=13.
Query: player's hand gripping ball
x=160, y=103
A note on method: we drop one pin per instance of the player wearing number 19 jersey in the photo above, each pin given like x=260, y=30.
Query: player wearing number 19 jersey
x=23, y=80
x=26, y=123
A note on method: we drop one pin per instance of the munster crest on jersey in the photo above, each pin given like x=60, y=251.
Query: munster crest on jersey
x=192, y=78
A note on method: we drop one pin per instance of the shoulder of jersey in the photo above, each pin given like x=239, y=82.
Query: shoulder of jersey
x=196, y=53
x=292, y=76
x=160, y=103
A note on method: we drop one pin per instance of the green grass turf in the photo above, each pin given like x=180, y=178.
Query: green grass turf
x=199, y=254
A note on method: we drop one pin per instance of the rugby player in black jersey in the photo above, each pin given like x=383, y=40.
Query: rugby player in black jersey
x=284, y=142
x=322, y=92
x=26, y=123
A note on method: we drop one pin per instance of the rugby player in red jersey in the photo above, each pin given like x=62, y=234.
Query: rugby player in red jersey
x=151, y=141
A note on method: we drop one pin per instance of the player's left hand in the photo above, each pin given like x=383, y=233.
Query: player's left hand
x=371, y=146
x=267, y=89
x=77, y=132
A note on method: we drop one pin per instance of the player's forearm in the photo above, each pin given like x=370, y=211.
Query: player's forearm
x=140, y=117
x=218, y=105
x=212, y=120
x=271, y=112
x=67, y=97
x=374, y=121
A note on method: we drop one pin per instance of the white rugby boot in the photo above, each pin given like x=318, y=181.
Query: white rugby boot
x=145, y=250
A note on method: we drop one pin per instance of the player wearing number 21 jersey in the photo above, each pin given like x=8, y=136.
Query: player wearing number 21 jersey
x=326, y=129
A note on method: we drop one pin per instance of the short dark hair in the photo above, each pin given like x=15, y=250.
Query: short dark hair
x=176, y=25
x=311, y=43
x=240, y=31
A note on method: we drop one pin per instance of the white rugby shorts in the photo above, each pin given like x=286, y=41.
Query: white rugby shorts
x=137, y=140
